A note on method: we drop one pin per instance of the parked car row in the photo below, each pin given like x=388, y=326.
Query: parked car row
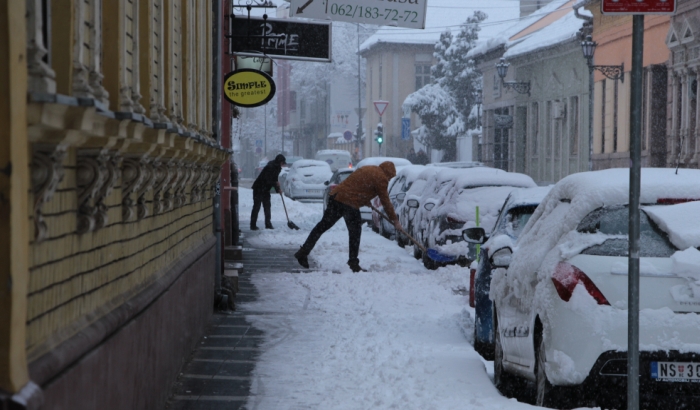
x=550, y=291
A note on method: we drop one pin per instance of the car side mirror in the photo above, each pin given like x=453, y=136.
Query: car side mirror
x=501, y=258
x=412, y=203
x=326, y=183
x=474, y=235
x=429, y=206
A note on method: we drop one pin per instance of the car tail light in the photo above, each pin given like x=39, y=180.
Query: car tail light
x=472, y=297
x=451, y=220
x=567, y=276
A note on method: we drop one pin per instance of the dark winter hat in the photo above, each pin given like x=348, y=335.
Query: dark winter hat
x=280, y=159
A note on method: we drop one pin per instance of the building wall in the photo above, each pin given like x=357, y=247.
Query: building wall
x=611, y=132
x=391, y=76
x=121, y=167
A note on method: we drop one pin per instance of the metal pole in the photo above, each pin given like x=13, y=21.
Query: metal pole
x=358, y=137
x=591, y=85
x=218, y=263
x=635, y=178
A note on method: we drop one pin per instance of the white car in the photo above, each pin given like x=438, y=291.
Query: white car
x=306, y=178
x=561, y=306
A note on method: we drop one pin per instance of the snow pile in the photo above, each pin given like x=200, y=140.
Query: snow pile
x=673, y=219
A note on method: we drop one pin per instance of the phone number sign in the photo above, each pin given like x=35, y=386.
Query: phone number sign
x=638, y=6
x=398, y=13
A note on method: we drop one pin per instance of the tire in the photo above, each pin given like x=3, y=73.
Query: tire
x=545, y=395
x=508, y=384
x=417, y=253
x=429, y=263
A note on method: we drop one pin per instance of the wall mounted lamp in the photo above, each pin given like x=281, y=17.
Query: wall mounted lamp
x=613, y=72
x=519, y=87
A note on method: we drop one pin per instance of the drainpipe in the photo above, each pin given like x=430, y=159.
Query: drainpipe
x=216, y=96
x=588, y=27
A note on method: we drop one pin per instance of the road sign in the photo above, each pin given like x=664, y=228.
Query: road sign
x=380, y=106
x=406, y=13
x=347, y=135
x=258, y=143
x=258, y=150
x=405, y=128
x=281, y=38
x=638, y=6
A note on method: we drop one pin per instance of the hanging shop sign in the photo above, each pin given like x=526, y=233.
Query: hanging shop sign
x=397, y=13
x=638, y=6
x=283, y=39
x=248, y=88
x=254, y=63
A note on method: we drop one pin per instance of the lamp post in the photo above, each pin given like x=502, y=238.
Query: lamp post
x=518, y=86
x=613, y=72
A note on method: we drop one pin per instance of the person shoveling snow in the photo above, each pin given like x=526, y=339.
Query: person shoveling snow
x=345, y=202
x=261, y=190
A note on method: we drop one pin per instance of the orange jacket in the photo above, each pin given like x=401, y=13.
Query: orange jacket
x=366, y=183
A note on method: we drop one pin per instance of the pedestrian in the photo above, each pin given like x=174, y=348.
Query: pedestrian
x=411, y=156
x=345, y=201
x=421, y=157
x=261, y=190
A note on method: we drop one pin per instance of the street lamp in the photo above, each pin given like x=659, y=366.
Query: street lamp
x=613, y=72
x=518, y=86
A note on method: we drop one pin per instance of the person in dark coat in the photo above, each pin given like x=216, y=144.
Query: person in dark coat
x=345, y=202
x=261, y=190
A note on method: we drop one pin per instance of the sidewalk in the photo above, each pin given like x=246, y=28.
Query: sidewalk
x=217, y=375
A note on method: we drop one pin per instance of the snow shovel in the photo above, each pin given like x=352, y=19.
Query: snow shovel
x=432, y=253
x=290, y=224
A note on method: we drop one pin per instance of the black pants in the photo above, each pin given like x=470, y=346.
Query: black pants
x=260, y=197
x=335, y=211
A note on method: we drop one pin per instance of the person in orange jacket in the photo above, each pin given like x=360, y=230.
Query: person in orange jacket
x=345, y=202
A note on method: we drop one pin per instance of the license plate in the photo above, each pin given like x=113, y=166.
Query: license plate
x=676, y=372
x=313, y=191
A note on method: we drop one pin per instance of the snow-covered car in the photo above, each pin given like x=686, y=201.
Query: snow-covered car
x=516, y=211
x=458, y=164
x=410, y=211
x=561, y=306
x=306, y=178
x=397, y=192
x=338, y=176
x=399, y=163
x=336, y=158
x=464, y=197
x=283, y=175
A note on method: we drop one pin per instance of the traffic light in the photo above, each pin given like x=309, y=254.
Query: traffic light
x=379, y=134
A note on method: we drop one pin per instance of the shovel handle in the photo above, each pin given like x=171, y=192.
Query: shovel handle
x=285, y=206
x=422, y=248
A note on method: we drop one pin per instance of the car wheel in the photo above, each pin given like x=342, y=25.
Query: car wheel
x=508, y=384
x=417, y=253
x=545, y=395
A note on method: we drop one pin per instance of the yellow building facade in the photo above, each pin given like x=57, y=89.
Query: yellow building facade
x=109, y=168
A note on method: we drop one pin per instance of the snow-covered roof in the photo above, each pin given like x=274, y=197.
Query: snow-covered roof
x=448, y=14
x=480, y=176
x=558, y=24
x=304, y=163
x=528, y=196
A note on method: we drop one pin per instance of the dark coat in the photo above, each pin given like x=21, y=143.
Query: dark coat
x=268, y=177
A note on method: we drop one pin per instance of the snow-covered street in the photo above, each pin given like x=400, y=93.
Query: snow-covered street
x=395, y=337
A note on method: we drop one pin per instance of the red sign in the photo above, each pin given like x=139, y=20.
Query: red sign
x=638, y=6
x=380, y=106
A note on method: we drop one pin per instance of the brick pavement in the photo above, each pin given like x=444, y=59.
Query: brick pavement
x=217, y=375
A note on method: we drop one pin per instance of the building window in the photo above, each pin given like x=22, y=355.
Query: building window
x=292, y=101
x=500, y=143
x=422, y=75
x=574, y=127
x=535, y=127
x=603, y=109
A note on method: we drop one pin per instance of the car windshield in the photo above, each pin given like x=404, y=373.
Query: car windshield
x=342, y=177
x=613, y=221
x=517, y=218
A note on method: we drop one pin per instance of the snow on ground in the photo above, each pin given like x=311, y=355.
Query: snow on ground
x=395, y=337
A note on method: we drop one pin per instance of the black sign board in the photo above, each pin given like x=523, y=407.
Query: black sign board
x=281, y=38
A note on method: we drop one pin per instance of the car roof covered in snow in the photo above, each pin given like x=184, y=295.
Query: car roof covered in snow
x=398, y=162
x=303, y=163
x=481, y=176
x=528, y=196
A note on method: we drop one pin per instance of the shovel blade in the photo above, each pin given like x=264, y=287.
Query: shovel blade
x=438, y=257
x=292, y=225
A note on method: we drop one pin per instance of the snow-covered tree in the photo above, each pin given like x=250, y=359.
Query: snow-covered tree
x=444, y=105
